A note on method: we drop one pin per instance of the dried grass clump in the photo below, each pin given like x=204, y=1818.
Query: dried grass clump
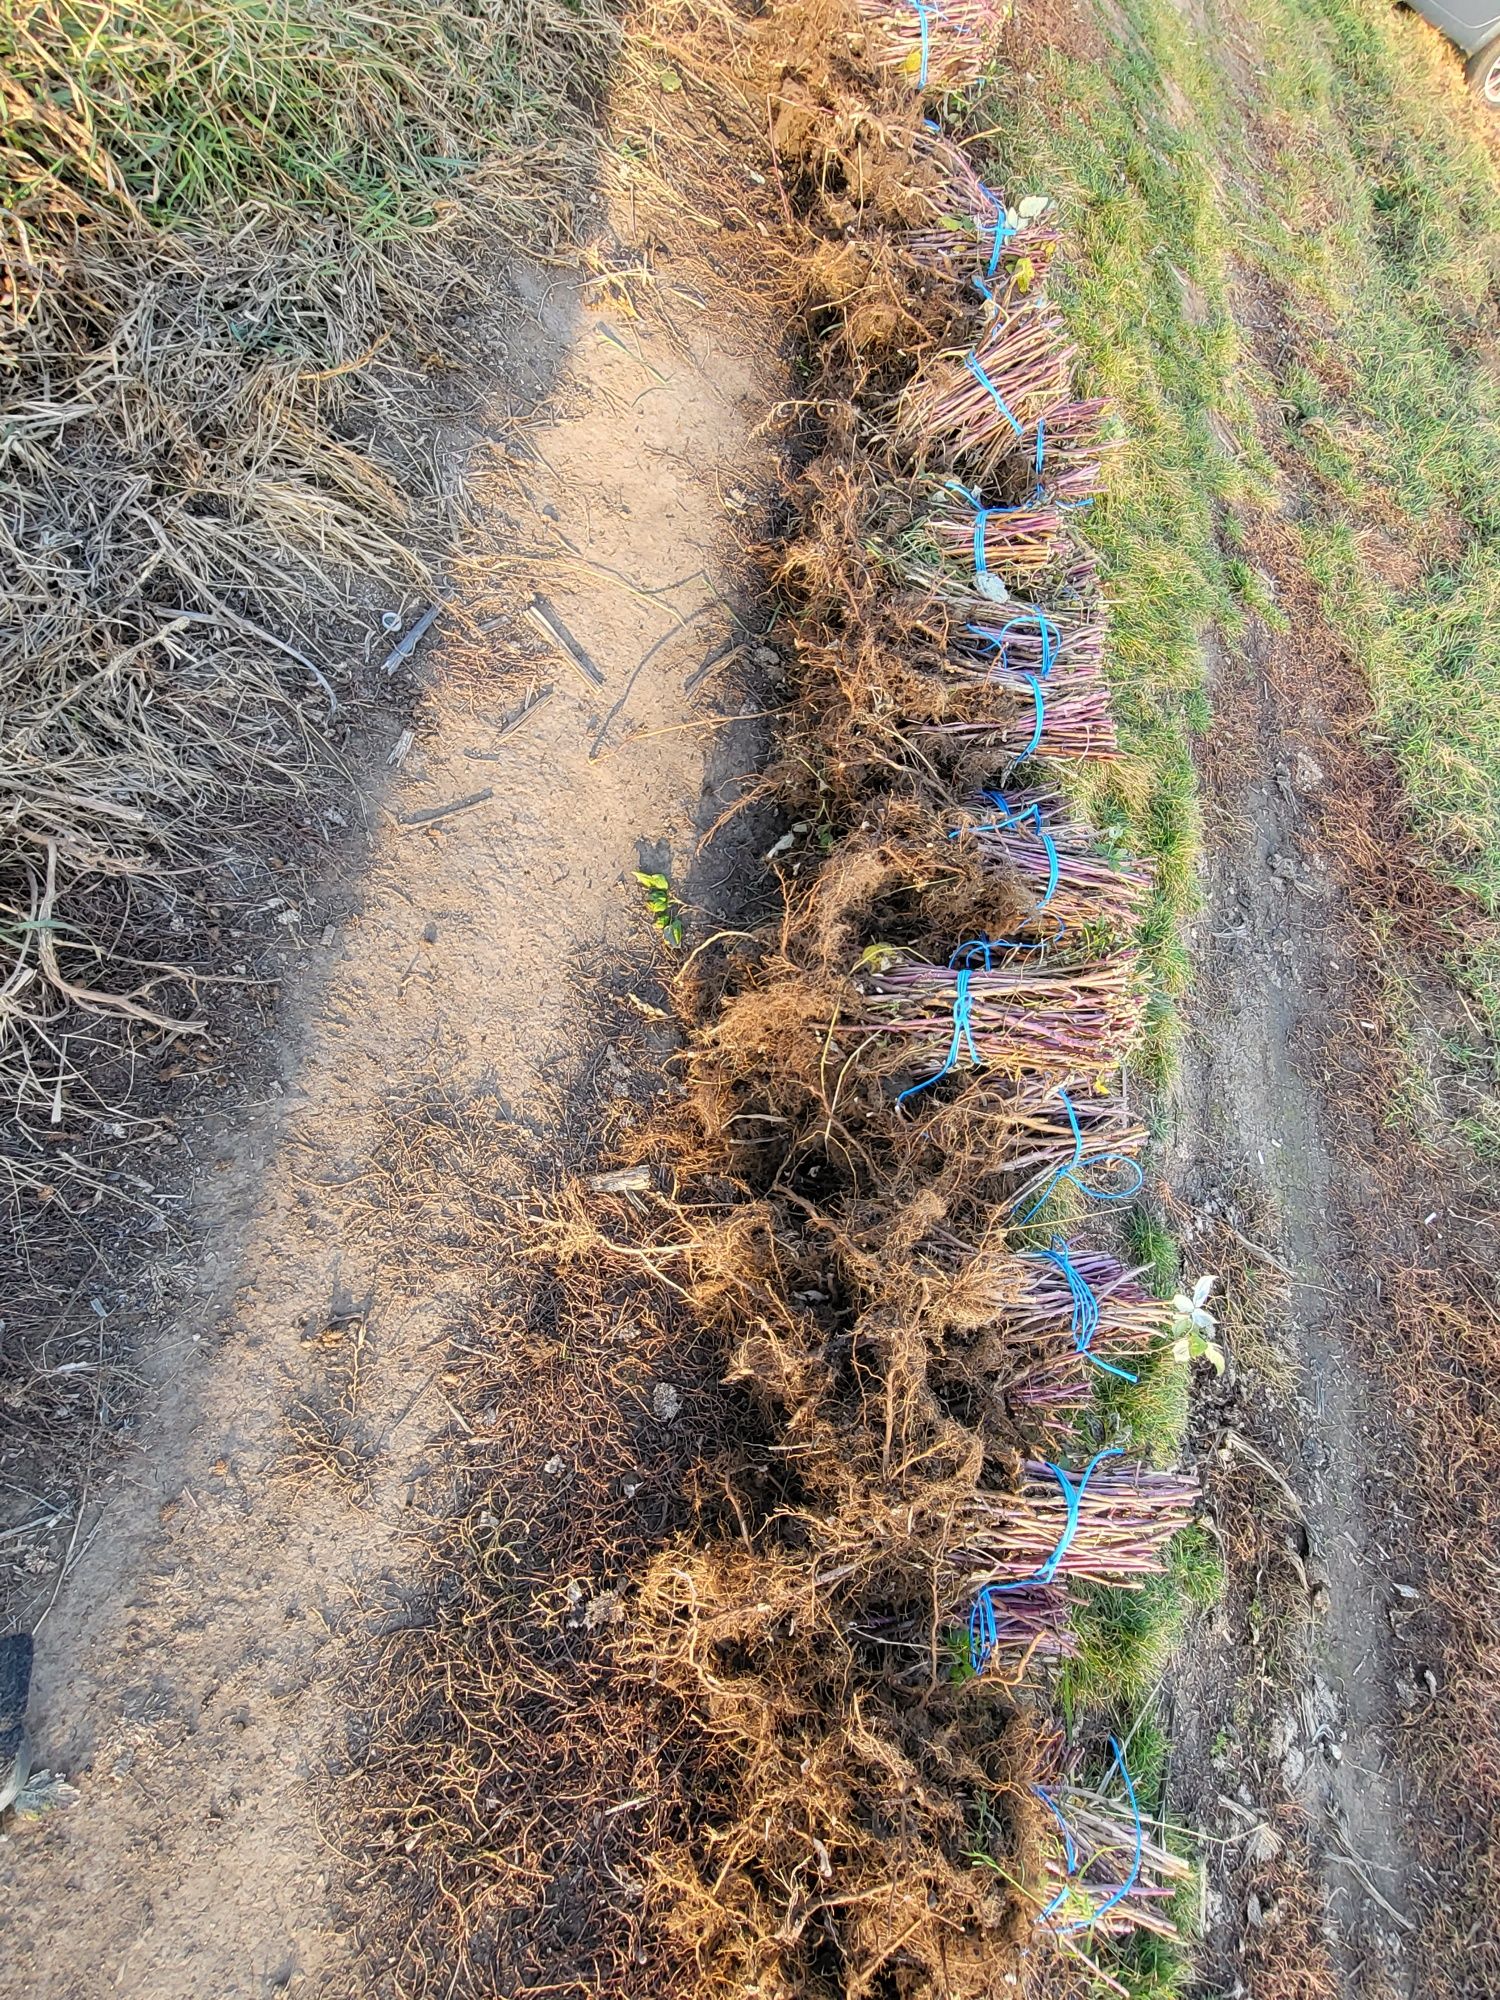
x=215, y=234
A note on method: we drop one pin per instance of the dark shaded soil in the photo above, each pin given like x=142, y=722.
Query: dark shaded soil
x=1305, y=1126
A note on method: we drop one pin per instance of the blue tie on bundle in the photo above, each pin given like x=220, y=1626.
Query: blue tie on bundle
x=1051, y=635
x=1085, y=1306
x=983, y=1624
x=1003, y=233
x=1070, y=1171
x=976, y=368
x=924, y=25
x=1047, y=627
x=981, y=515
x=1012, y=821
x=1070, y=1852
x=963, y=1035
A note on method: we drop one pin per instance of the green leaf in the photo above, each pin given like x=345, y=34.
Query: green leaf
x=877, y=958
x=652, y=881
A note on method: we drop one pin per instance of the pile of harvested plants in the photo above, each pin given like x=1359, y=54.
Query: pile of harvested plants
x=900, y=1103
x=934, y=1036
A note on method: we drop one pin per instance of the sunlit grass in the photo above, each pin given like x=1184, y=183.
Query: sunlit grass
x=187, y=108
x=1343, y=187
x=1345, y=177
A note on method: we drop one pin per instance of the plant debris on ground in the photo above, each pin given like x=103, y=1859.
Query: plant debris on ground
x=927, y=1495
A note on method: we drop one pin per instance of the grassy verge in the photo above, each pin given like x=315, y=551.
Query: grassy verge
x=1346, y=192
x=1343, y=196
x=179, y=111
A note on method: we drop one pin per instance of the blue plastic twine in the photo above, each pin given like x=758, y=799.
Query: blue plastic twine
x=1070, y=1853
x=1003, y=232
x=984, y=1632
x=924, y=22
x=1048, y=628
x=983, y=1625
x=1041, y=709
x=963, y=1034
x=1072, y=1500
x=1070, y=1171
x=981, y=515
x=1085, y=1306
x=976, y=368
x=1013, y=821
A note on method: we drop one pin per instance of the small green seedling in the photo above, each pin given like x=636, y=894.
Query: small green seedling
x=1195, y=1326
x=662, y=906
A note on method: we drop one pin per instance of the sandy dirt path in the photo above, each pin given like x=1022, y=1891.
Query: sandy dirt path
x=1303, y=1711
x=186, y=1674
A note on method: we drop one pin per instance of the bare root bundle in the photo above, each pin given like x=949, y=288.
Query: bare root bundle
x=971, y=410
x=1126, y=1518
x=1066, y=1134
x=1026, y=637
x=1068, y=730
x=1030, y=1625
x=845, y=1855
x=893, y=698
x=1012, y=1015
x=936, y=46
x=950, y=1545
x=1039, y=1329
x=1011, y=543
x=1103, y=1874
x=977, y=234
x=1069, y=450
x=1032, y=835
x=1024, y=679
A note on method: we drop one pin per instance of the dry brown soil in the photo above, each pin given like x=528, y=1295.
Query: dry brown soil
x=259, y=1519
x=1319, y=1730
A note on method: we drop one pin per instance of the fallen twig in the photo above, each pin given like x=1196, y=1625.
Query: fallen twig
x=407, y=644
x=429, y=814
x=551, y=627
x=521, y=716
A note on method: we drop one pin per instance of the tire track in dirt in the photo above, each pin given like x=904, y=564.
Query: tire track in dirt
x=185, y=1676
x=1311, y=1719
